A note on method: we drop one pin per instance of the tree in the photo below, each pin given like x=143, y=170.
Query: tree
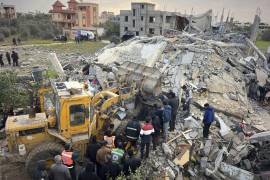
x=12, y=94
x=112, y=29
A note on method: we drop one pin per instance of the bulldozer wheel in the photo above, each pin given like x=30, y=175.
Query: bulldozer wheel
x=45, y=151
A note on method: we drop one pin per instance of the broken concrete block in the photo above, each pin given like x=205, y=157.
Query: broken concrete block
x=259, y=137
x=170, y=172
x=235, y=172
x=224, y=129
x=203, y=162
x=207, y=147
x=167, y=150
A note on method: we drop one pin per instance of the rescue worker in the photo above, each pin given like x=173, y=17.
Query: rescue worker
x=131, y=164
x=8, y=58
x=118, y=153
x=41, y=173
x=208, y=118
x=132, y=131
x=88, y=173
x=68, y=160
x=15, y=58
x=167, y=116
x=188, y=99
x=58, y=170
x=92, y=148
x=146, y=137
x=1, y=60
x=109, y=138
x=174, y=103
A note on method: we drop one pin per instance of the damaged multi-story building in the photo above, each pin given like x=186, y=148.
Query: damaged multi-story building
x=81, y=15
x=7, y=11
x=143, y=19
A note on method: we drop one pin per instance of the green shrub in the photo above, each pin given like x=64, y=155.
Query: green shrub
x=2, y=37
x=13, y=31
x=5, y=31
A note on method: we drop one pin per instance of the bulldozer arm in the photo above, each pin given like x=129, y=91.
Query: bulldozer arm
x=147, y=79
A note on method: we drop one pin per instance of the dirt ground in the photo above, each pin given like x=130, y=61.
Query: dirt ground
x=13, y=171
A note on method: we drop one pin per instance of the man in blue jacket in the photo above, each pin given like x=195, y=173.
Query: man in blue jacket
x=209, y=117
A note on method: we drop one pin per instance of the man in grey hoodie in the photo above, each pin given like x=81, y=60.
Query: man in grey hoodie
x=58, y=170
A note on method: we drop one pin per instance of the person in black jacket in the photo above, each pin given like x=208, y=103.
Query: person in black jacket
x=110, y=170
x=41, y=173
x=15, y=58
x=92, y=148
x=131, y=163
x=174, y=103
x=88, y=173
x=1, y=60
x=8, y=58
x=133, y=131
x=157, y=127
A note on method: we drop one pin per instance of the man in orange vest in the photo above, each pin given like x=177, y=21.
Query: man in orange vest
x=68, y=160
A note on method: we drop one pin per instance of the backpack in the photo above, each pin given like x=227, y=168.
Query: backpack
x=167, y=114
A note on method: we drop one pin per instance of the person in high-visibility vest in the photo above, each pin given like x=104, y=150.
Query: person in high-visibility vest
x=68, y=160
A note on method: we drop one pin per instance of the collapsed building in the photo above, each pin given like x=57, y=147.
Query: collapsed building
x=219, y=69
x=143, y=19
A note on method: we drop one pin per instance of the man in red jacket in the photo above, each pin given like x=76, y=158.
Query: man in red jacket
x=146, y=136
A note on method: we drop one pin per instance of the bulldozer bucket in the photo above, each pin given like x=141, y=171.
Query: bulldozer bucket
x=147, y=79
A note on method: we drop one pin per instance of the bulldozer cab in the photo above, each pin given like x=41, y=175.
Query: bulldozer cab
x=72, y=105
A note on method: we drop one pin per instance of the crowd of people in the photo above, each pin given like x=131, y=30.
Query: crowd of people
x=117, y=154
x=13, y=55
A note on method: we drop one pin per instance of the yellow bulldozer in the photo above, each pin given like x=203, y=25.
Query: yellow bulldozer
x=72, y=114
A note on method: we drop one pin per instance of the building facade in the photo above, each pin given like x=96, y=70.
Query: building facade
x=7, y=11
x=77, y=14
x=144, y=20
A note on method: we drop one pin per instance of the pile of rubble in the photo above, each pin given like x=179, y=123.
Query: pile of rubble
x=218, y=69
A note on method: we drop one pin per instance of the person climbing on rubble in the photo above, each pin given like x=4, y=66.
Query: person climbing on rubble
x=8, y=58
x=146, y=137
x=1, y=60
x=132, y=132
x=59, y=171
x=166, y=117
x=188, y=99
x=174, y=103
x=208, y=118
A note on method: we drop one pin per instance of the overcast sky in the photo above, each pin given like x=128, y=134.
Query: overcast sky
x=243, y=10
